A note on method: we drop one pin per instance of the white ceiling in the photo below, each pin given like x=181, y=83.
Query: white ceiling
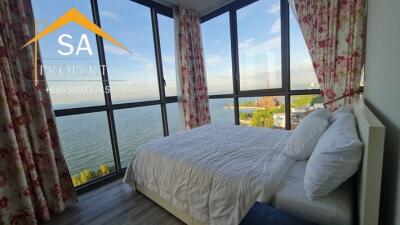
x=201, y=6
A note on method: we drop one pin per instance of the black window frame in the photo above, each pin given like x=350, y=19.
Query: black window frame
x=159, y=9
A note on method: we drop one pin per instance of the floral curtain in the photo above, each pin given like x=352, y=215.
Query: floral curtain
x=34, y=178
x=334, y=33
x=192, y=85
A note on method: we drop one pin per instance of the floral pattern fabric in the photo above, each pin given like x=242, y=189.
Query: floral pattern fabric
x=193, y=94
x=34, y=179
x=334, y=34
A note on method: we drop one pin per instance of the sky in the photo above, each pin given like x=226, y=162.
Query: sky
x=133, y=74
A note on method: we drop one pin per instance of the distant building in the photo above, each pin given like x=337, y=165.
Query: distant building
x=300, y=109
x=317, y=106
x=313, y=86
x=279, y=120
x=298, y=113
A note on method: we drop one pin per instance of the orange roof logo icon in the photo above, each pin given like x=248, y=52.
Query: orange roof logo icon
x=73, y=15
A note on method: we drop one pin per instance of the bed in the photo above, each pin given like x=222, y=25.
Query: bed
x=220, y=170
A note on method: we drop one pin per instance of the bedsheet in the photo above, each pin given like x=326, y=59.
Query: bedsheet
x=214, y=172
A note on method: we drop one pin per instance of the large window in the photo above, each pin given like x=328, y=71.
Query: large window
x=136, y=126
x=86, y=156
x=217, y=54
x=259, y=37
x=68, y=70
x=167, y=39
x=109, y=100
x=273, y=81
x=132, y=75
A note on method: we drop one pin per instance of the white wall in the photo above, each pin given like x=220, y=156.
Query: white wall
x=382, y=91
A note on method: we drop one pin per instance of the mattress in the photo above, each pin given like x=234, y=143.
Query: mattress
x=335, y=209
x=214, y=172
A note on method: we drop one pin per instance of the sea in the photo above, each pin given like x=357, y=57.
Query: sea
x=85, y=138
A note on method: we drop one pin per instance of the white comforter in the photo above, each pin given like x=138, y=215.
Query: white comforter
x=215, y=172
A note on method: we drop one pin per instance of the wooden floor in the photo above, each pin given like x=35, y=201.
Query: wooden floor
x=114, y=204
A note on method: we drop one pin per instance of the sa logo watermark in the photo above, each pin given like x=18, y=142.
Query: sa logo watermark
x=64, y=40
x=83, y=45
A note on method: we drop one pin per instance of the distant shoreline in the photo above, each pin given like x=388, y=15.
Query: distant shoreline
x=243, y=107
x=245, y=122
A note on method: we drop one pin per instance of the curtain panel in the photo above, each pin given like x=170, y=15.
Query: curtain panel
x=34, y=179
x=334, y=34
x=191, y=77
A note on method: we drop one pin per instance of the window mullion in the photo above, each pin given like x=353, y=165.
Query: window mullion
x=160, y=74
x=285, y=54
x=106, y=87
x=235, y=62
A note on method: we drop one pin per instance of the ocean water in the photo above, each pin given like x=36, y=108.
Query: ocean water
x=85, y=138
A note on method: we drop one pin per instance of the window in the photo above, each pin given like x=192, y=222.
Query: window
x=301, y=69
x=217, y=54
x=268, y=111
x=74, y=77
x=174, y=124
x=132, y=76
x=167, y=42
x=136, y=126
x=221, y=110
x=302, y=105
x=218, y=62
x=90, y=157
x=259, y=37
x=263, y=98
x=116, y=119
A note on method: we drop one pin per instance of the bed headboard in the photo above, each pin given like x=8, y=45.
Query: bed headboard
x=372, y=133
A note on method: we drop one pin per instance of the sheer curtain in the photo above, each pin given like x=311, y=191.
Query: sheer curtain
x=334, y=34
x=34, y=179
x=191, y=76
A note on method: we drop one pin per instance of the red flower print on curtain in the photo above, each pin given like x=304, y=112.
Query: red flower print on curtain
x=334, y=33
x=34, y=178
x=193, y=96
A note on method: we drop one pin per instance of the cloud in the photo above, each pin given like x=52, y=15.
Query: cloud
x=250, y=48
x=213, y=60
x=274, y=8
x=115, y=50
x=246, y=43
x=140, y=58
x=146, y=62
x=109, y=14
x=276, y=27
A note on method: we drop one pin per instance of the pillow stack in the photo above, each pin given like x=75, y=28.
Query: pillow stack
x=333, y=147
x=304, y=138
x=335, y=159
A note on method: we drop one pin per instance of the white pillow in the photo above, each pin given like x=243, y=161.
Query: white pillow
x=335, y=159
x=335, y=115
x=304, y=138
